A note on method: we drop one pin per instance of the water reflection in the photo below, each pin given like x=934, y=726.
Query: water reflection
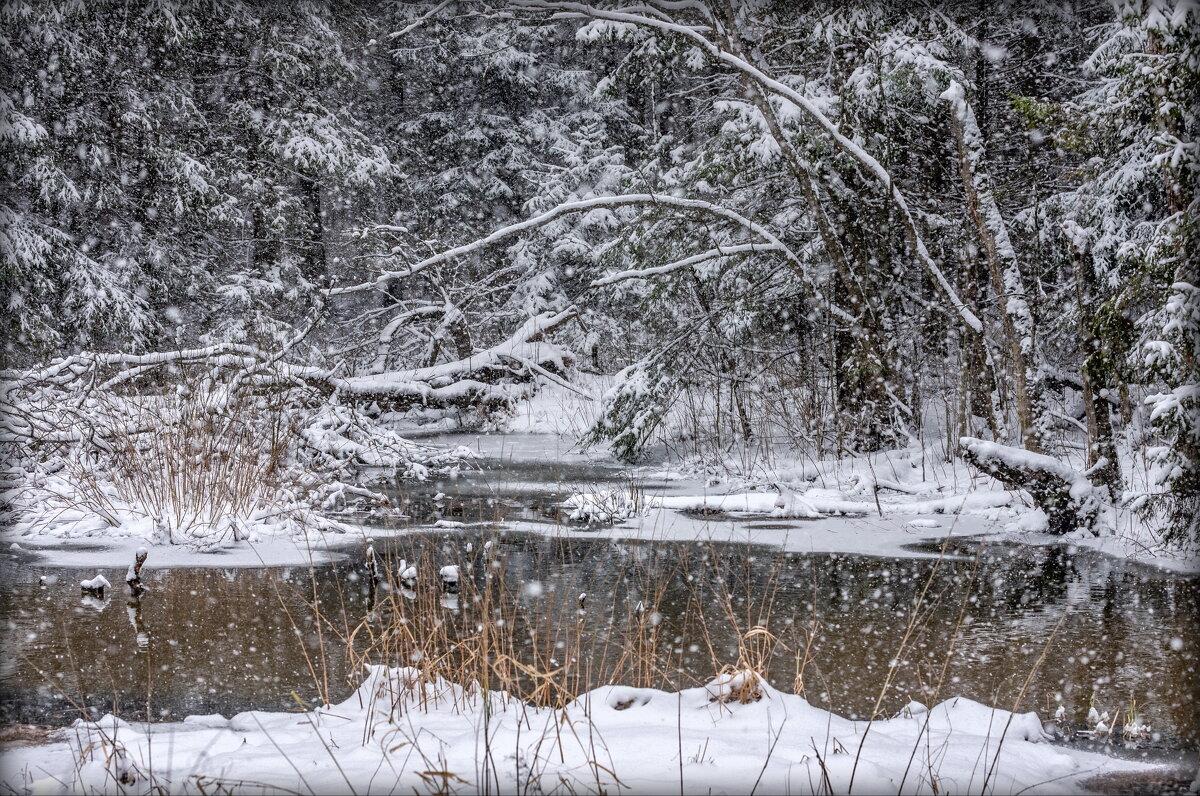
x=1092, y=630
x=133, y=609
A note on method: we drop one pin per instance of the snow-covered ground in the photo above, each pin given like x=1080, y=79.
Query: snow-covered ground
x=832, y=520
x=399, y=733
x=879, y=502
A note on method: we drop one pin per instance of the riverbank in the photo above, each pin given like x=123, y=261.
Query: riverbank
x=401, y=732
x=840, y=505
x=873, y=538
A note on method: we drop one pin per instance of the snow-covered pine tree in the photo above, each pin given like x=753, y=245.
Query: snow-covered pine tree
x=111, y=203
x=1127, y=227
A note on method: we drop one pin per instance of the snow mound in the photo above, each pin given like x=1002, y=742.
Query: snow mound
x=611, y=739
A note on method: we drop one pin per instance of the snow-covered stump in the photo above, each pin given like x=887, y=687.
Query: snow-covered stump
x=1066, y=495
x=373, y=566
x=94, y=587
x=408, y=575
x=133, y=576
x=450, y=578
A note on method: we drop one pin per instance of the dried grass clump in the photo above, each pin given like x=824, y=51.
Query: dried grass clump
x=497, y=635
x=733, y=685
x=203, y=467
x=196, y=455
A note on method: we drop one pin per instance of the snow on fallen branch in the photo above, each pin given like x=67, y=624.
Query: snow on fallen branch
x=466, y=381
x=449, y=314
x=1065, y=494
x=227, y=442
x=470, y=380
x=77, y=366
x=231, y=445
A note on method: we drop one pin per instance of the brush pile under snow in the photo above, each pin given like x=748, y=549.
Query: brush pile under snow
x=201, y=464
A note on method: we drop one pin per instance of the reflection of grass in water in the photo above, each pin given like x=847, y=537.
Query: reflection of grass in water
x=505, y=630
x=673, y=616
x=546, y=644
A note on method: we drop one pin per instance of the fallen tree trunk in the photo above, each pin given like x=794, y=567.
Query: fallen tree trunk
x=1065, y=494
x=51, y=404
x=470, y=381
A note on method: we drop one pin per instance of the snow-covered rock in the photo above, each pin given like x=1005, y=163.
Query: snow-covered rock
x=97, y=583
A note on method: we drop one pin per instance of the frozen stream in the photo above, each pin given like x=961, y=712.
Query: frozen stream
x=225, y=640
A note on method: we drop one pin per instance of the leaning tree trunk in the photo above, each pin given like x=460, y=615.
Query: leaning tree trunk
x=1004, y=270
x=1102, y=459
x=980, y=387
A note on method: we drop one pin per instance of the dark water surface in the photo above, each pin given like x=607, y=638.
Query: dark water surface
x=1039, y=625
x=221, y=641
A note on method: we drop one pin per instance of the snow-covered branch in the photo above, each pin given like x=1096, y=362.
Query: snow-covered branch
x=783, y=92
x=447, y=312
x=470, y=379
x=566, y=208
x=687, y=262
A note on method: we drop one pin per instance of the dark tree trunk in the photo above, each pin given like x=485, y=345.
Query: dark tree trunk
x=264, y=248
x=314, y=265
x=1102, y=450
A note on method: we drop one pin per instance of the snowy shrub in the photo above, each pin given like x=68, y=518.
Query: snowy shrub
x=218, y=457
x=634, y=409
x=605, y=505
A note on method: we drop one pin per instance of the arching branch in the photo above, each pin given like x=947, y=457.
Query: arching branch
x=782, y=92
x=566, y=208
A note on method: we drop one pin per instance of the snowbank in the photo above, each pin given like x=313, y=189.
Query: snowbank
x=553, y=409
x=399, y=733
